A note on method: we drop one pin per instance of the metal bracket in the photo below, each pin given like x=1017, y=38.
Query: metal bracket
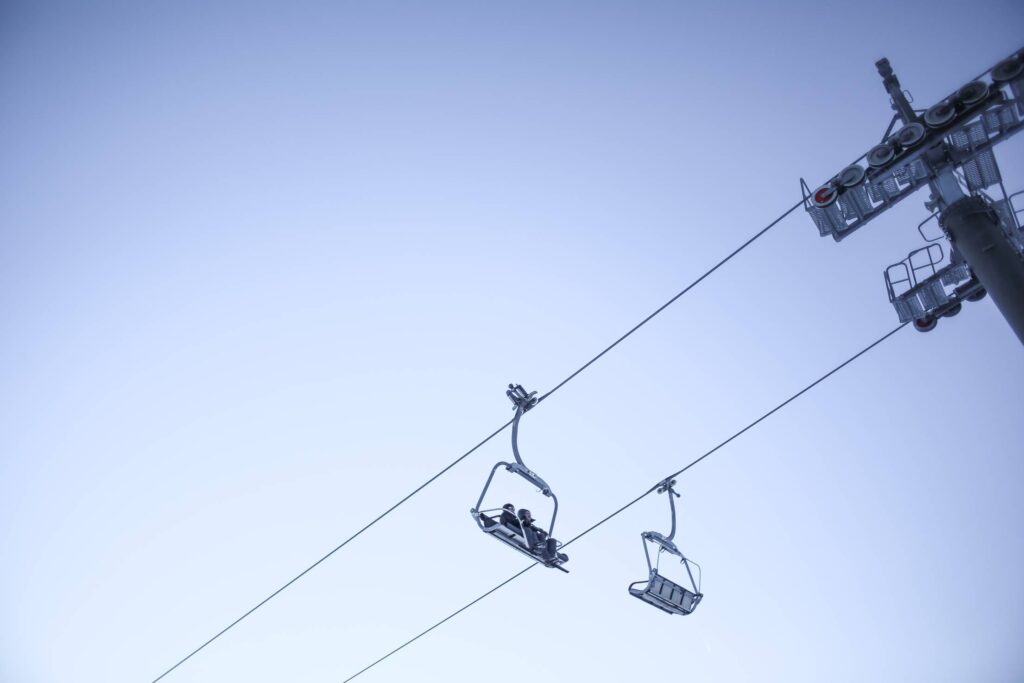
x=530, y=476
x=521, y=400
x=666, y=485
x=957, y=134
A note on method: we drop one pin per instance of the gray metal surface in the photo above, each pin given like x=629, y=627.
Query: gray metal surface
x=950, y=149
x=921, y=286
x=964, y=141
x=974, y=226
x=515, y=535
x=666, y=595
x=658, y=590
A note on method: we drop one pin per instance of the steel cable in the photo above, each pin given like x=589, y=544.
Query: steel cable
x=636, y=500
x=462, y=457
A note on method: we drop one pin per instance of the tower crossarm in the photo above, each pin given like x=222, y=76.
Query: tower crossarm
x=957, y=133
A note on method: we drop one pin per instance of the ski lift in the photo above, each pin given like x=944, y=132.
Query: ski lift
x=657, y=590
x=518, y=530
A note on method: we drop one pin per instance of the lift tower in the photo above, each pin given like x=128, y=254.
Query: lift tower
x=950, y=148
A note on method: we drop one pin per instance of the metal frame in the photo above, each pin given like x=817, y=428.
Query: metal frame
x=949, y=147
x=1011, y=217
x=927, y=299
x=966, y=141
x=518, y=541
x=920, y=229
x=657, y=590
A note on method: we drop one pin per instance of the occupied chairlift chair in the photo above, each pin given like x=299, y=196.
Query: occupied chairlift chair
x=657, y=590
x=518, y=533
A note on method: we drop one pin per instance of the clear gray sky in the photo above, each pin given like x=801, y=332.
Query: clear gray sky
x=266, y=267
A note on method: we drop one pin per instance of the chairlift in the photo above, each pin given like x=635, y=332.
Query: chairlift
x=657, y=590
x=518, y=530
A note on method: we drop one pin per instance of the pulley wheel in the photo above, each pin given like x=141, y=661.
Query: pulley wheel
x=851, y=176
x=880, y=155
x=978, y=295
x=972, y=93
x=940, y=114
x=824, y=196
x=925, y=324
x=1007, y=70
x=910, y=135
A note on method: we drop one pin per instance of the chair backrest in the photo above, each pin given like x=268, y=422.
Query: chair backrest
x=672, y=593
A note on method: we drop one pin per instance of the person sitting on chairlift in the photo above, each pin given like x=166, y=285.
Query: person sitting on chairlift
x=508, y=516
x=535, y=536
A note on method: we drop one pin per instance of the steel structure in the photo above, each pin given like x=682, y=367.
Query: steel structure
x=657, y=590
x=519, y=531
x=950, y=148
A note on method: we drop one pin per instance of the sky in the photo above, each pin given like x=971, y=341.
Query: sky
x=267, y=267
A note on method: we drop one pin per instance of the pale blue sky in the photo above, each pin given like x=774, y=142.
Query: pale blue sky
x=266, y=267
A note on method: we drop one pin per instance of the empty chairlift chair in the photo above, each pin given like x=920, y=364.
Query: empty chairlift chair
x=518, y=530
x=657, y=590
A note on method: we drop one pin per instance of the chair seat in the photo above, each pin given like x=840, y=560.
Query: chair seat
x=666, y=595
x=514, y=538
x=492, y=526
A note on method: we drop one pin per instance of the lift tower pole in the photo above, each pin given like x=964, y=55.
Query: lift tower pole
x=974, y=229
x=950, y=148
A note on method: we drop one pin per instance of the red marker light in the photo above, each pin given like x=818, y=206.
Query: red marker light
x=824, y=196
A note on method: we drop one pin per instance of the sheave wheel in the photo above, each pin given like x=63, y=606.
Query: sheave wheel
x=953, y=310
